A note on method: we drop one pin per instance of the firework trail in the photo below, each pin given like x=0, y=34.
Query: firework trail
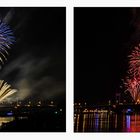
x=6, y=40
x=5, y=90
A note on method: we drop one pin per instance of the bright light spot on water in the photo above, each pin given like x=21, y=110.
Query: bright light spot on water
x=9, y=113
x=55, y=112
x=128, y=122
x=5, y=120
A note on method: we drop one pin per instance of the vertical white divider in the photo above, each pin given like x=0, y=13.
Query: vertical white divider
x=69, y=68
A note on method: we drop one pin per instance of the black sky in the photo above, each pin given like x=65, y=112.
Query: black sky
x=102, y=41
x=36, y=65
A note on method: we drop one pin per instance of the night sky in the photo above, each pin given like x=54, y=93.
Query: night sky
x=103, y=38
x=36, y=64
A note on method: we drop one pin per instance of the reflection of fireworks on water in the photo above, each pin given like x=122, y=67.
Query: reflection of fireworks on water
x=132, y=82
x=6, y=40
x=5, y=90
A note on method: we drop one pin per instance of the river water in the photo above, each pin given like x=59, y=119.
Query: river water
x=4, y=120
x=106, y=122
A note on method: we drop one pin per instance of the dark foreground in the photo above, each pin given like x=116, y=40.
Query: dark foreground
x=30, y=119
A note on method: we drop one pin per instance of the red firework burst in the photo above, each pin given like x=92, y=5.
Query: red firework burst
x=132, y=82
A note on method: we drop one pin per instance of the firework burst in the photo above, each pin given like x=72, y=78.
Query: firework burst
x=133, y=87
x=6, y=40
x=5, y=90
x=134, y=62
x=132, y=82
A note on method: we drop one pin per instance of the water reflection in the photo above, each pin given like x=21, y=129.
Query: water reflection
x=106, y=122
x=128, y=123
x=5, y=120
